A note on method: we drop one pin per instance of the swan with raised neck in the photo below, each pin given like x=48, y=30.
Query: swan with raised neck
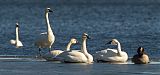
x=17, y=42
x=112, y=55
x=49, y=40
x=84, y=48
x=51, y=37
x=81, y=56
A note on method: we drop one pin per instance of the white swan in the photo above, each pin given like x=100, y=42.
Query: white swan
x=111, y=55
x=52, y=56
x=49, y=40
x=77, y=56
x=17, y=42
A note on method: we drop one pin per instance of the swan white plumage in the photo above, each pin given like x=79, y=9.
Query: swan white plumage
x=49, y=40
x=77, y=56
x=52, y=56
x=111, y=55
x=17, y=42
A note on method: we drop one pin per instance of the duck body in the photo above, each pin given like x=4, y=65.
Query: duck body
x=144, y=59
x=141, y=57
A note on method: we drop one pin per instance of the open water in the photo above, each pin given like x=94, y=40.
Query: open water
x=133, y=22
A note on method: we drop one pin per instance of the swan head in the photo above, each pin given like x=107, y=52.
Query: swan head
x=85, y=36
x=114, y=42
x=48, y=10
x=140, y=51
x=74, y=41
x=17, y=25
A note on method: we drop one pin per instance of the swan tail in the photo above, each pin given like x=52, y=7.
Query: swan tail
x=19, y=44
x=13, y=42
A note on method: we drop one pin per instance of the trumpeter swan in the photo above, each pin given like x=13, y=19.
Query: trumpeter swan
x=49, y=40
x=17, y=42
x=141, y=57
x=52, y=56
x=111, y=55
x=77, y=56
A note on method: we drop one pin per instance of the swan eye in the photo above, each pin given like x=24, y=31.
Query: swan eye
x=17, y=25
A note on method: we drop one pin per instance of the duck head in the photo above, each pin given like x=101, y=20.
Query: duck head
x=140, y=51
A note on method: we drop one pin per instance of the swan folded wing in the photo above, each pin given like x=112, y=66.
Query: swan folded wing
x=56, y=52
x=42, y=43
x=106, y=53
x=19, y=43
x=76, y=57
x=52, y=56
x=13, y=42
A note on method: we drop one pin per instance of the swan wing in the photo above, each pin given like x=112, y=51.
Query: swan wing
x=110, y=55
x=73, y=56
x=19, y=43
x=52, y=56
x=42, y=43
x=43, y=33
x=13, y=42
x=104, y=54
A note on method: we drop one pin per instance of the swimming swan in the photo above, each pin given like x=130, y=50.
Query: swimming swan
x=17, y=42
x=52, y=56
x=49, y=40
x=111, y=55
x=77, y=56
x=141, y=57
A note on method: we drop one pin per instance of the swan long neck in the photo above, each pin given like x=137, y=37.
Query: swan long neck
x=68, y=46
x=119, y=48
x=49, y=32
x=48, y=24
x=17, y=35
x=83, y=47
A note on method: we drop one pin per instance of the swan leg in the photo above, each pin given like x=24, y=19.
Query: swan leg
x=49, y=50
x=40, y=54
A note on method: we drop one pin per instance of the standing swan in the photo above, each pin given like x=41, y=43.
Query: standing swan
x=17, y=42
x=52, y=56
x=49, y=40
x=77, y=56
x=111, y=55
x=141, y=57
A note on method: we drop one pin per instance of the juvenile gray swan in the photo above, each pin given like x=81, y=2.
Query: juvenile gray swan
x=49, y=40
